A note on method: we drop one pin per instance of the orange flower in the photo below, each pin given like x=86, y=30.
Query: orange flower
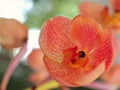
x=12, y=33
x=101, y=13
x=76, y=51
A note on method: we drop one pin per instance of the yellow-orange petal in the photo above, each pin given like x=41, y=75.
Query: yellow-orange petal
x=115, y=5
x=55, y=37
x=69, y=76
x=105, y=16
x=86, y=32
x=93, y=10
x=114, y=23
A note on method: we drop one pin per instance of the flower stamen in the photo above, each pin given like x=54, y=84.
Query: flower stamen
x=81, y=54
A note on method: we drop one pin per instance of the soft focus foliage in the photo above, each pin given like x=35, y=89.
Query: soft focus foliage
x=45, y=9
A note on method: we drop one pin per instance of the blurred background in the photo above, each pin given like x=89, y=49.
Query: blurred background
x=32, y=13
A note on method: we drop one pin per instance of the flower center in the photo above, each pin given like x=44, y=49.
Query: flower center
x=81, y=54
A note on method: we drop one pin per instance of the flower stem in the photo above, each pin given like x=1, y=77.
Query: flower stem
x=12, y=65
x=101, y=86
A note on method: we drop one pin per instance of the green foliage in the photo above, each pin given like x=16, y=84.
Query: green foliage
x=45, y=9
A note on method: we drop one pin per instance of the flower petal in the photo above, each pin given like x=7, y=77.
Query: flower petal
x=86, y=32
x=92, y=9
x=112, y=76
x=103, y=52
x=68, y=76
x=115, y=5
x=114, y=23
x=55, y=37
x=35, y=60
x=116, y=47
x=38, y=77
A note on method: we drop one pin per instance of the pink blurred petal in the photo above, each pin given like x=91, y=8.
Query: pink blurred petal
x=35, y=60
x=113, y=75
x=92, y=9
x=38, y=77
x=98, y=85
